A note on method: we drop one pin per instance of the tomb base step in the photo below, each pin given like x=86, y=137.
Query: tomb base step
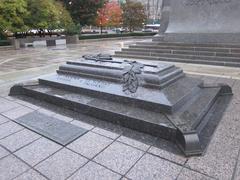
x=191, y=127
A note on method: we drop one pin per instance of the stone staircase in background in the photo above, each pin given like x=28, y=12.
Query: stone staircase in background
x=210, y=54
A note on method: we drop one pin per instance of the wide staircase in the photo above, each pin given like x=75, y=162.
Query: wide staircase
x=210, y=54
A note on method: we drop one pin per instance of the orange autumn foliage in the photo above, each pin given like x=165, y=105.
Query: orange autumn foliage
x=109, y=15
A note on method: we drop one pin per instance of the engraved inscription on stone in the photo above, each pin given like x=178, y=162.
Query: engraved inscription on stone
x=89, y=82
x=67, y=77
x=96, y=83
x=204, y=2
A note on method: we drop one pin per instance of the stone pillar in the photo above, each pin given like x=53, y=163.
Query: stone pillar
x=15, y=43
x=72, y=39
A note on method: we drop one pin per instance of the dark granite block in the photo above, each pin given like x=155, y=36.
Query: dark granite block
x=51, y=42
x=52, y=128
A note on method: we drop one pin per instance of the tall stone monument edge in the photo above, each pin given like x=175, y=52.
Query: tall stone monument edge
x=200, y=21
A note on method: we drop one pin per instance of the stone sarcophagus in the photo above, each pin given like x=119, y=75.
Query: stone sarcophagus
x=158, y=99
x=200, y=21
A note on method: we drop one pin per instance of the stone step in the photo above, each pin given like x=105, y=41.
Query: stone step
x=220, y=45
x=211, y=121
x=154, y=103
x=194, y=116
x=183, y=52
x=186, y=48
x=181, y=56
x=189, y=117
x=207, y=62
x=166, y=79
x=112, y=111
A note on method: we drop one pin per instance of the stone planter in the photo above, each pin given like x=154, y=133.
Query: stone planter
x=72, y=39
x=15, y=43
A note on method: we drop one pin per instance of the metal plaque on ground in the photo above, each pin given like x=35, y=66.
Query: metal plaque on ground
x=52, y=128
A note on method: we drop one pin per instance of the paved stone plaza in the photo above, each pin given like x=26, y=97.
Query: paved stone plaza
x=106, y=151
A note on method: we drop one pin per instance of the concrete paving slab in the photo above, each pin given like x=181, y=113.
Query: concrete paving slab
x=61, y=165
x=7, y=105
x=236, y=85
x=232, y=109
x=228, y=81
x=177, y=158
x=236, y=91
x=236, y=174
x=37, y=151
x=209, y=79
x=9, y=128
x=139, y=137
x=119, y=157
x=17, y=112
x=90, y=144
x=11, y=167
x=187, y=174
x=167, y=150
x=134, y=143
x=93, y=171
x=19, y=139
x=220, y=158
x=31, y=175
x=154, y=168
x=230, y=125
x=3, y=119
x=82, y=124
x=124, y=178
x=3, y=152
x=10, y=98
x=106, y=133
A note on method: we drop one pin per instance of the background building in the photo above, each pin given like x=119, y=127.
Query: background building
x=152, y=7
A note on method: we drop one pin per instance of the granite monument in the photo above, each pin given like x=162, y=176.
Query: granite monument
x=158, y=99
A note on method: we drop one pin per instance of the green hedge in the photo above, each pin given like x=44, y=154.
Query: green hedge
x=2, y=37
x=4, y=43
x=99, y=36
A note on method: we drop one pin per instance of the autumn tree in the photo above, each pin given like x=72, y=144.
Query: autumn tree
x=102, y=18
x=83, y=12
x=109, y=15
x=114, y=14
x=133, y=15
